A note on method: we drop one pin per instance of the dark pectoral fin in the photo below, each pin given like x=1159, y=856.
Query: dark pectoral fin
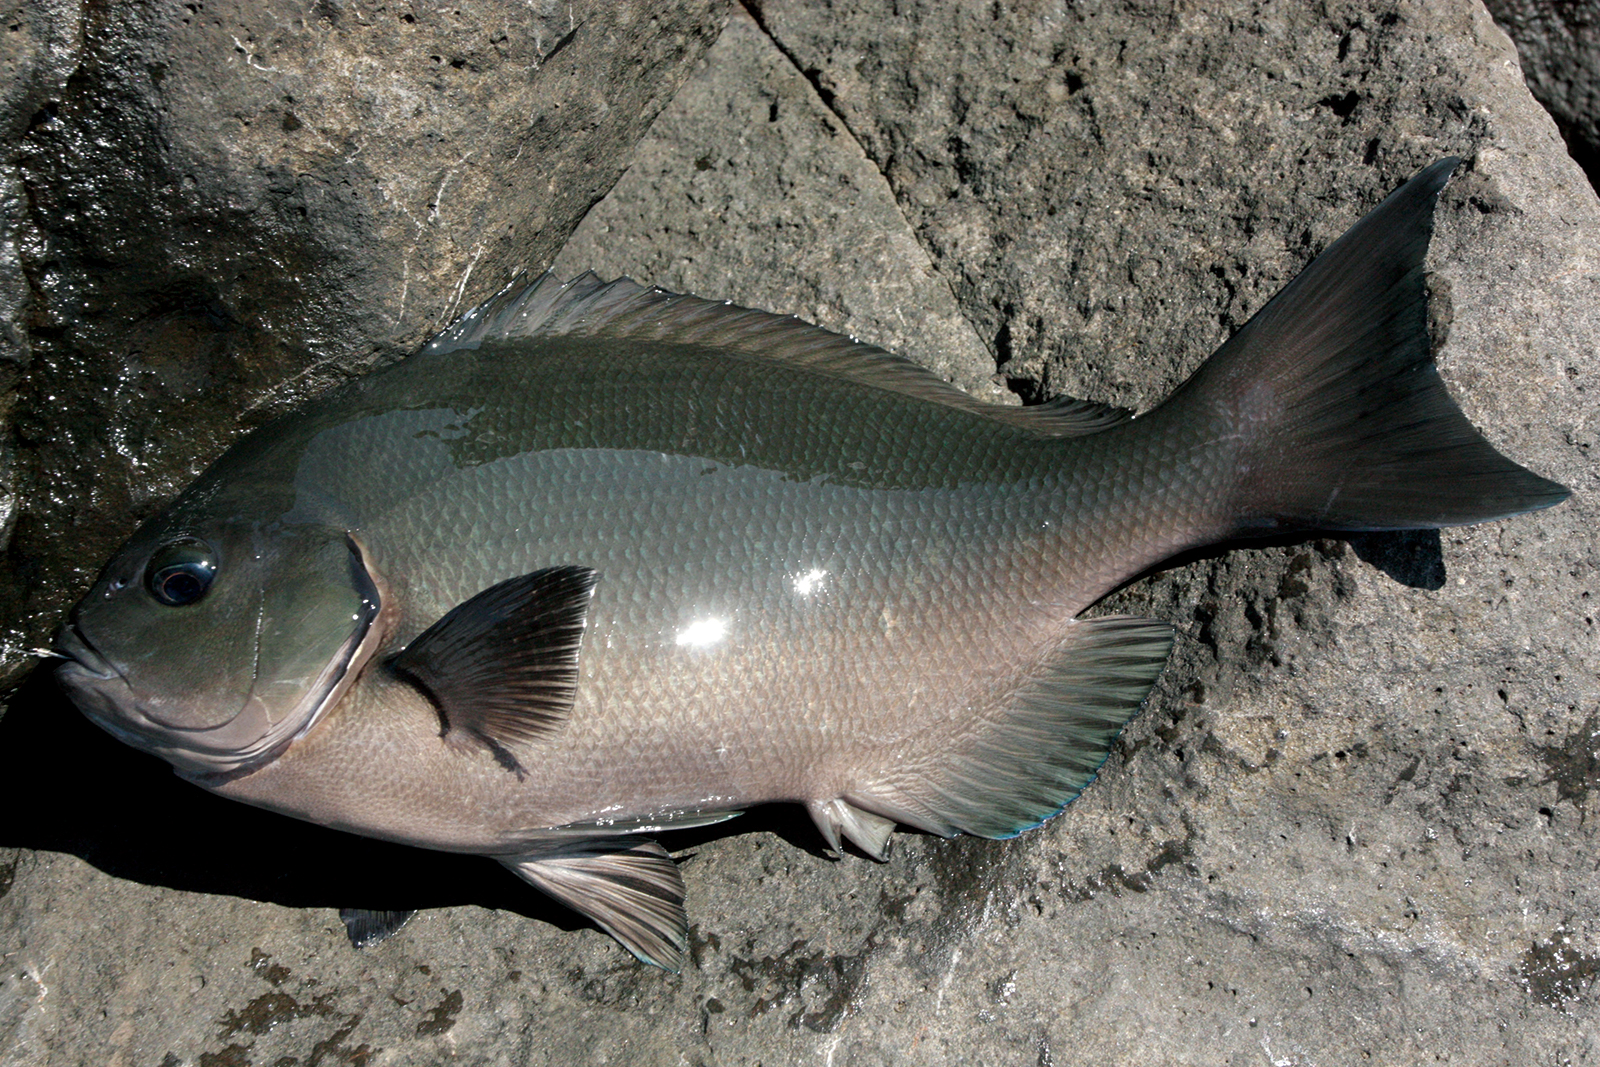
x=630, y=888
x=366, y=928
x=503, y=667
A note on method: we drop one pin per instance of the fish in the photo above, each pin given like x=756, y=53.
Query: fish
x=602, y=561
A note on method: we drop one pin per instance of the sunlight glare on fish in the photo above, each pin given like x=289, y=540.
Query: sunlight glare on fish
x=809, y=582
x=703, y=633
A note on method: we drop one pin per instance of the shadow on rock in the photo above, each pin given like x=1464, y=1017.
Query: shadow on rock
x=1411, y=557
x=127, y=814
x=130, y=816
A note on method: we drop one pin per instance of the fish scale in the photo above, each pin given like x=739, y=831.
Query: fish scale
x=602, y=561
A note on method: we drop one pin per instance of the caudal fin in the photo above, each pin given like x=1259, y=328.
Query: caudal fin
x=1337, y=417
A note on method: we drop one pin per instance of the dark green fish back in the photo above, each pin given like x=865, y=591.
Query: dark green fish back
x=728, y=409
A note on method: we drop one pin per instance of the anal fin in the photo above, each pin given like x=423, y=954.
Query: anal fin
x=630, y=888
x=1040, y=747
x=868, y=832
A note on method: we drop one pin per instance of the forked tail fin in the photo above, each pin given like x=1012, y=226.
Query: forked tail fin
x=1329, y=403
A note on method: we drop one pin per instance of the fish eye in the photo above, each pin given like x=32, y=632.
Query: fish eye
x=180, y=572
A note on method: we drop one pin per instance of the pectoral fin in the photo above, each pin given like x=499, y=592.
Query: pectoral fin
x=630, y=888
x=502, y=668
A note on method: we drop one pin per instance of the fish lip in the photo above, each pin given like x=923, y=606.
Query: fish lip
x=78, y=651
x=83, y=673
x=84, y=666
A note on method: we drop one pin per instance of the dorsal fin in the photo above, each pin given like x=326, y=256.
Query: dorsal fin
x=623, y=309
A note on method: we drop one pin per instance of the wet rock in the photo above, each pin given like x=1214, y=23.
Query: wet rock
x=1555, y=972
x=1355, y=821
x=38, y=50
x=229, y=206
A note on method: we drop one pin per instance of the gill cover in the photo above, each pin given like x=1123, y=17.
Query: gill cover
x=213, y=647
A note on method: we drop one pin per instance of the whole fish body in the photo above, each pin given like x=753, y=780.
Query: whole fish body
x=603, y=560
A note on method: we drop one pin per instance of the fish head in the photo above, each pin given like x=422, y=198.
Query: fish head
x=215, y=644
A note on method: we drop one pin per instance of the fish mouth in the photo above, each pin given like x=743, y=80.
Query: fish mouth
x=73, y=646
x=95, y=685
x=209, y=755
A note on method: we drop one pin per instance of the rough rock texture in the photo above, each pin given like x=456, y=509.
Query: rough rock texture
x=1351, y=826
x=1558, y=42
x=214, y=208
x=750, y=190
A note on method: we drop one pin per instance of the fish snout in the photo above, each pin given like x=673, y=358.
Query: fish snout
x=95, y=687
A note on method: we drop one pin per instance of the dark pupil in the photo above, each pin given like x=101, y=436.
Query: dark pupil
x=181, y=586
x=181, y=573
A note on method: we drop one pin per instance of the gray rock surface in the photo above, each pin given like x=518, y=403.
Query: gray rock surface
x=1351, y=826
x=219, y=208
x=750, y=190
x=1558, y=42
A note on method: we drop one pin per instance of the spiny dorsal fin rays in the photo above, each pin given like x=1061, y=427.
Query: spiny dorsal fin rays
x=623, y=309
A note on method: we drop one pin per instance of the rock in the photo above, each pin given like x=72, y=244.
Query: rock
x=233, y=205
x=37, y=54
x=750, y=190
x=1559, y=46
x=1352, y=821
